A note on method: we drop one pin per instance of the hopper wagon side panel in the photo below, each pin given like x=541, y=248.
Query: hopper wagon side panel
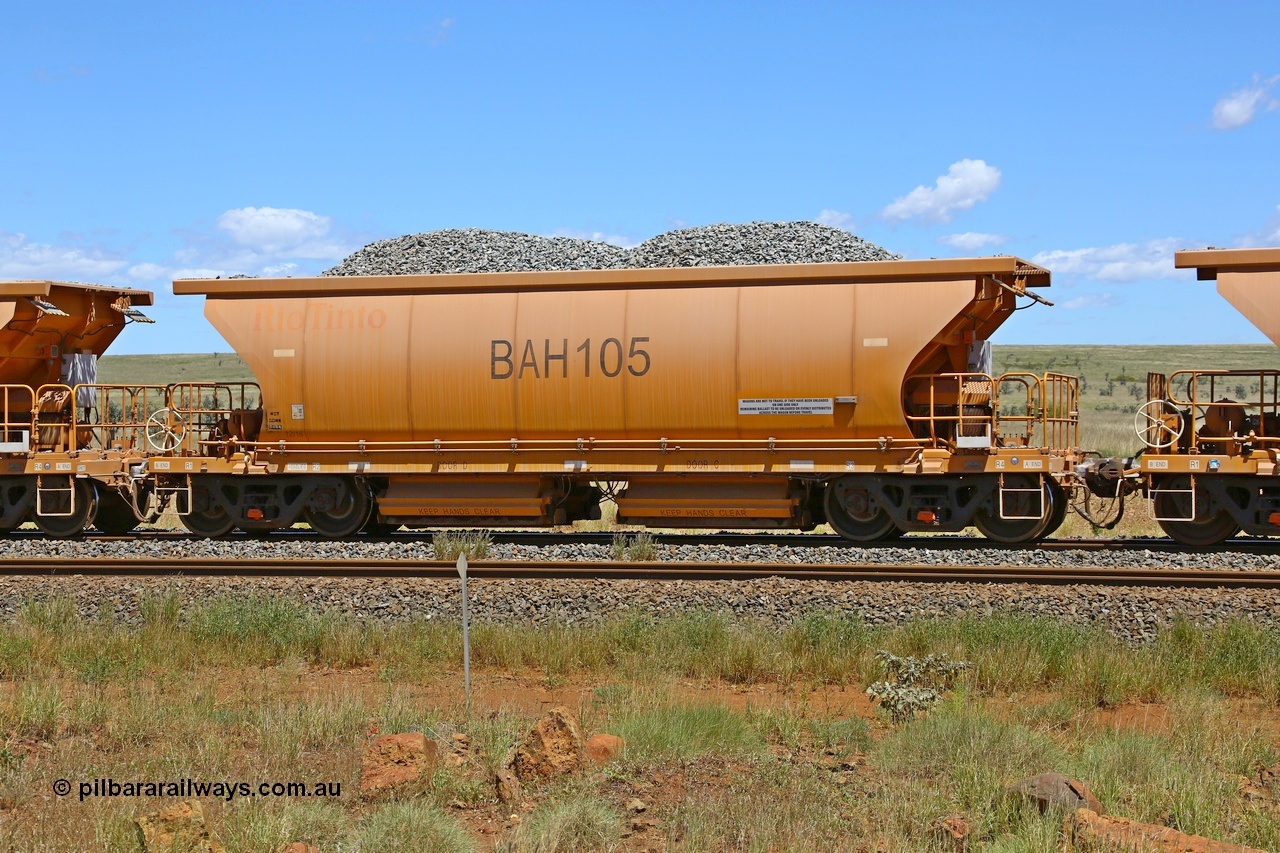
x=633, y=364
x=361, y=384
x=1256, y=295
x=690, y=387
x=445, y=397
x=554, y=375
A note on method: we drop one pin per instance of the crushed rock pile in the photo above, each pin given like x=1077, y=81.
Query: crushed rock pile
x=463, y=250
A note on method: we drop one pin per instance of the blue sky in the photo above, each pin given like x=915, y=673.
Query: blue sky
x=148, y=141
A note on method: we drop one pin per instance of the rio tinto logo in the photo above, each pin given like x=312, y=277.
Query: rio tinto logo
x=317, y=316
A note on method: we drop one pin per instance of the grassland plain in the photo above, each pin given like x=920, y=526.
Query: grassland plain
x=738, y=736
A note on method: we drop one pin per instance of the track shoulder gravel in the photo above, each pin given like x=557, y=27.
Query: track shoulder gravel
x=1133, y=614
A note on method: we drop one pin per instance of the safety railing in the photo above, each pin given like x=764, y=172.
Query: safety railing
x=1224, y=411
x=953, y=408
x=93, y=417
x=1060, y=410
x=115, y=417
x=203, y=416
x=15, y=418
x=976, y=410
x=182, y=419
x=53, y=418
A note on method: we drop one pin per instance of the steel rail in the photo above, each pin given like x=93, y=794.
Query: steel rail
x=614, y=570
x=1252, y=545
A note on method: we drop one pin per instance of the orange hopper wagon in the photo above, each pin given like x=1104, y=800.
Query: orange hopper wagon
x=859, y=394
x=64, y=446
x=1213, y=436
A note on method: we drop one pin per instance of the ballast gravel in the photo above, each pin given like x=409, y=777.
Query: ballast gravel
x=467, y=250
x=1134, y=614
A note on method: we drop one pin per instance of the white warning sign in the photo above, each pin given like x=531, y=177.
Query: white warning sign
x=786, y=406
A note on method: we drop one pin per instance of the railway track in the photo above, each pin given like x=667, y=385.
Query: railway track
x=782, y=540
x=610, y=570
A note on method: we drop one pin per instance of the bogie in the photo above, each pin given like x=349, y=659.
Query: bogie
x=65, y=506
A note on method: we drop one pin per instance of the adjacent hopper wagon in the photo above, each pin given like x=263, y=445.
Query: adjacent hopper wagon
x=1210, y=461
x=65, y=443
x=859, y=394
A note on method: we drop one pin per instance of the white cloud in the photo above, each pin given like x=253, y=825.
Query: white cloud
x=836, y=219
x=966, y=183
x=971, y=241
x=1090, y=300
x=270, y=241
x=619, y=240
x=22, y=259
x=1236, y=109
x=198, y=272
x=441, y=34
x=146, y=272
x=1123, y=262
x=275, y=230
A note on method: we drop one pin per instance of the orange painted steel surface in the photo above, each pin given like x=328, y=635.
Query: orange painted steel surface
x=817, y=351
x=33, y=340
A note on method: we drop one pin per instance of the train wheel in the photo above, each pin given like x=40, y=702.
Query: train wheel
x=1204, y=530
x=54, y=523
x=1060, y=507
x=17, y=497
x=338, y=512
x=1015, y=531
x=206, y=519
x=115, y=517
x=852, y=512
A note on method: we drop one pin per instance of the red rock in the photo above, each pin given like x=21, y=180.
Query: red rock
x=604, y=748
x=179, y=827
x=1082, y=791
x=553, y=748
x=508, y=786
x=955, y=831
x=1088, y=829
x=398, y=761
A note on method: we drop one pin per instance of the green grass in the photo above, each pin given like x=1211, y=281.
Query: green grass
x=1009, y=653
x=414, y=827
x=451, y=544
x=575, y=825
x=249, y=688
x=166, y=369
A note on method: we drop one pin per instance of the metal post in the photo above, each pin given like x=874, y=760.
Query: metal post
x=466, y=633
